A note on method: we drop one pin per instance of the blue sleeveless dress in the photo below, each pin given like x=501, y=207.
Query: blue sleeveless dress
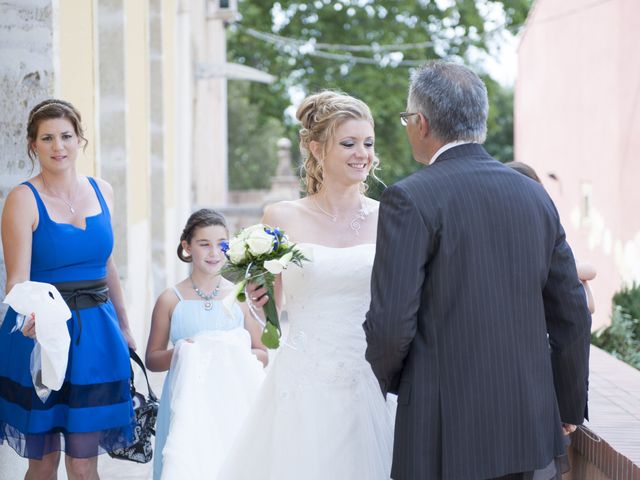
x=92, y=413
x=187, y=320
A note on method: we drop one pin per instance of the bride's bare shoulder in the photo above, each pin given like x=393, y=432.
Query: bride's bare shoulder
x=371, y=203
x=284, y=213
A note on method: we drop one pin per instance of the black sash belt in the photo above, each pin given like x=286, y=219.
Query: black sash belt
x=83, y=294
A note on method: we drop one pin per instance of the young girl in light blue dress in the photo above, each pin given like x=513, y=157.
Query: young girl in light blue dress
x=192, y=312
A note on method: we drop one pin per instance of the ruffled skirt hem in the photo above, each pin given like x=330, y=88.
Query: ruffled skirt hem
x=73, y=444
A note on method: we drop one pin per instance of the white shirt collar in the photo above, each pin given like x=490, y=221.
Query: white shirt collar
x=446, y=147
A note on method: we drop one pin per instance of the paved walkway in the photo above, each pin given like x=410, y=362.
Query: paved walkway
x=13, y=467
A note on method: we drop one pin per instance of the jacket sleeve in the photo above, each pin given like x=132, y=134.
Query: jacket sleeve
x=396, y=286
x=569, y=327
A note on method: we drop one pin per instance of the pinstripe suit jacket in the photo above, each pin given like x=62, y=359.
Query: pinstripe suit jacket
x=477, y=320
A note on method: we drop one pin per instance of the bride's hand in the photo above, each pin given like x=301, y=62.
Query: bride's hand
x=257, y=295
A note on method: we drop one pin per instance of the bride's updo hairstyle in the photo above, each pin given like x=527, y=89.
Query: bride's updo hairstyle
x=320, y=115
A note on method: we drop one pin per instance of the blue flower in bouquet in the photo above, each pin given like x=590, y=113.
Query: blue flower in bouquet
x=277, y=235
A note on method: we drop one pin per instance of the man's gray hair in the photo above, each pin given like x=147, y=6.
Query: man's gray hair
x=454, y=100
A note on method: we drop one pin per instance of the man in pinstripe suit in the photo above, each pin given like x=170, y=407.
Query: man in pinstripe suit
x=477, y=319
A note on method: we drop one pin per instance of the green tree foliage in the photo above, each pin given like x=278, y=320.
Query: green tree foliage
x=629, y=299
x=622, y=337
x=252, y=141
x=377, y=75
x=499, y=141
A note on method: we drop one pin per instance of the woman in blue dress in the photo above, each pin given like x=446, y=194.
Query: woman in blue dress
x=188, y=309
x=56, y=228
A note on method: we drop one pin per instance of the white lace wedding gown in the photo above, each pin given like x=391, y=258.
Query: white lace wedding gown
x=320, y=413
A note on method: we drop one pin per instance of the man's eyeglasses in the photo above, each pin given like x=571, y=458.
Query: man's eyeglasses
x=404, y=117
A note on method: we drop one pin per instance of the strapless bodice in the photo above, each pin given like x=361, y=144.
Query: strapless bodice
x=327, y=298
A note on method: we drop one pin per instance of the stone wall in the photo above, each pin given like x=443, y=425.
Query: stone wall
x=26, y=77
x=112, y=116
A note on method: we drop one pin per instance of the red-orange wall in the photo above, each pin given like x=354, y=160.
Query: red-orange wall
x=577, y=115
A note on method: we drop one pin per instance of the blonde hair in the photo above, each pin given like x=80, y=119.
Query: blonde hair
x=320, y=115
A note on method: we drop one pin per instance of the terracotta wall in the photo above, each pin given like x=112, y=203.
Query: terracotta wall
x=577, y=122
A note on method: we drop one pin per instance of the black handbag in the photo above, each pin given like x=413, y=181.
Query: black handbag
x=146, y=411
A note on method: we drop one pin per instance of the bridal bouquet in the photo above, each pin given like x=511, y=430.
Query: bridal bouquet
x=257, y=254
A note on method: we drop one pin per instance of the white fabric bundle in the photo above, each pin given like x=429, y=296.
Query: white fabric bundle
x=214, y=380
x=51, y=352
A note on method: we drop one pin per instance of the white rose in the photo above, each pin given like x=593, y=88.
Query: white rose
x=259, y=242
x=244, y=234
x=237, y=250
x=276, y=266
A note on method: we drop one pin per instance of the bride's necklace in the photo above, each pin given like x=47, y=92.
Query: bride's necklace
x=67, y=203
x=355, y=224
x=207, y=299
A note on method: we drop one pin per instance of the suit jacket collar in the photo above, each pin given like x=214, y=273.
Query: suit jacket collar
x=465, y=150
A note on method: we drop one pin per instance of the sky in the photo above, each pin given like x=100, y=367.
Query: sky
x=503, y=64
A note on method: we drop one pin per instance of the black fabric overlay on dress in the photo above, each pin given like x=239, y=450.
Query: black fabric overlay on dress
x=73, y=396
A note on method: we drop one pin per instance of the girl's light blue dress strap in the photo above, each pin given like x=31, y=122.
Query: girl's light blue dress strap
x=177, y=292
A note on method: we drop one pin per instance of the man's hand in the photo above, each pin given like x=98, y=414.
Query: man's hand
x=568, y=429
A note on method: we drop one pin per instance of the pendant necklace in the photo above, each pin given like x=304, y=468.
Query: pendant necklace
x=355, y=224
x=207, y=299
x=68, y=204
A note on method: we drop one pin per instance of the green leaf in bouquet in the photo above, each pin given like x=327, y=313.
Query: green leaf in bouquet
x=271, y=333
x=270, y=336
x=233, y=273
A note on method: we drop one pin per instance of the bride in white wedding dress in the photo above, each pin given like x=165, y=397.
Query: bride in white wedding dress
x=320, y=413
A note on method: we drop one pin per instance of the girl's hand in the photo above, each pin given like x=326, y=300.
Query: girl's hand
x=261, y=355
x=128, y=337
x=586, y=271
x=29, y=329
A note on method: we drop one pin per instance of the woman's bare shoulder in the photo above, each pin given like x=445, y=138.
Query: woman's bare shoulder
x=283, y=213
x=104, y=185
x=168, y=298
x=371, y=203
x=21, y=201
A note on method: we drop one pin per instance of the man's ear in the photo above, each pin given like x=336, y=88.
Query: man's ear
x=423, y=125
